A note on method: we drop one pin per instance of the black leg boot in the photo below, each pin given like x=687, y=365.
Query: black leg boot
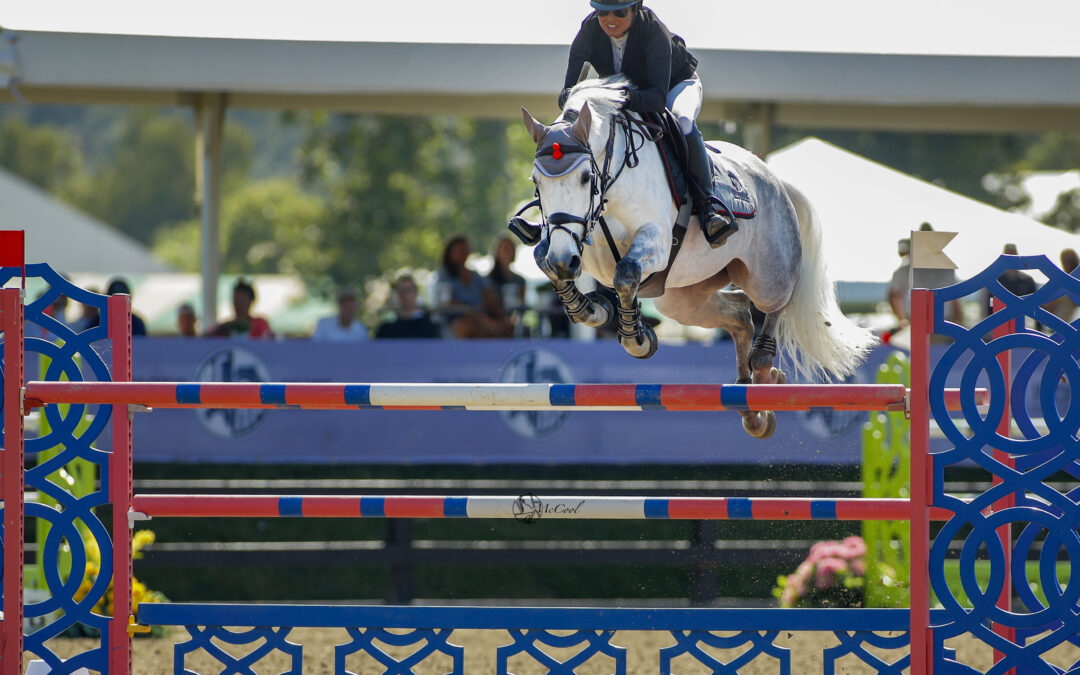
x=717, y=223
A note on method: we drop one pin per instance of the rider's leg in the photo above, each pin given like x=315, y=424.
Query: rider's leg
x=684, y=101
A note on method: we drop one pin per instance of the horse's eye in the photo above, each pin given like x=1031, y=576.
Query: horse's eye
x=585, y=177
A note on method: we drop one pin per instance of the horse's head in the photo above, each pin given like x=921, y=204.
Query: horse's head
x=565, y=174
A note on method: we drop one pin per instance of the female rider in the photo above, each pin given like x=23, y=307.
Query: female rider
x=627, y=38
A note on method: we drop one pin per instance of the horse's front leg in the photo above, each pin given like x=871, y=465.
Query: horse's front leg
x=591, y=309
x=647, y=254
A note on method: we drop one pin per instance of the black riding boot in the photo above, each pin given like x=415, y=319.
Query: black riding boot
x=717, y=223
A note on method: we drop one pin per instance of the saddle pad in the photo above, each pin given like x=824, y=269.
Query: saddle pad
x=729, y=189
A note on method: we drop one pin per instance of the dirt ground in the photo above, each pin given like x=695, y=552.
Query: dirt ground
x=154, y=656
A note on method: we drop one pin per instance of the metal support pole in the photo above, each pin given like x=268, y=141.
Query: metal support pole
x=120, y=489
x=1004, y=532
x=13, y=481
x=922, y=322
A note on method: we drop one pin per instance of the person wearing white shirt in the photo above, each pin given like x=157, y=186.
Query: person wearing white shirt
x=344, y=326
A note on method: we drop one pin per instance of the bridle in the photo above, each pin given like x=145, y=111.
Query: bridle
x=635, y=133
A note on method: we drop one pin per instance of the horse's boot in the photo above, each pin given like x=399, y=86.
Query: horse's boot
x=717, y=222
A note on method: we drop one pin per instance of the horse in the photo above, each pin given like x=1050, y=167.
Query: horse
x=774, y=261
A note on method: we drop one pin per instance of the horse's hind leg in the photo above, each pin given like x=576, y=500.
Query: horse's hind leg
x=762, y=355
x=703, y=305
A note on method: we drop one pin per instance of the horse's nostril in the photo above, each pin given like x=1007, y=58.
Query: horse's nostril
x=575, y=264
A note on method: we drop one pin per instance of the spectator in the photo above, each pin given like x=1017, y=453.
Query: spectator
x=186, y=321
x=509, y=287
x=1015, y=281
x=91, y=316
x=1063, y=306
x=900, y=284
x=410, y=320
x=243, y=324
x=119, y=286
x=344, y=326
x=466, y=299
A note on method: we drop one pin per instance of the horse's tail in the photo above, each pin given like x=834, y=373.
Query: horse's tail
x=822, y=341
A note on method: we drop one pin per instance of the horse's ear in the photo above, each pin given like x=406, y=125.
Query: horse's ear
x=536, y=129
x=582, y=124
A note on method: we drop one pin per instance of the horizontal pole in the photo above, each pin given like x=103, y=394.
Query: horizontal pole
x=526, y=508
x=535, y=618
x=483, y=396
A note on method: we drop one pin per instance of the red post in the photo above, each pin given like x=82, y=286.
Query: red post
x=1004, y=532
x=120, y=489
x=922, y=322
x=13, y=481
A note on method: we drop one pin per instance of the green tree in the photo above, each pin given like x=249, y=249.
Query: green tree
x=267, y=227
x=148, y=181
x=46, y=156
x=397, y=187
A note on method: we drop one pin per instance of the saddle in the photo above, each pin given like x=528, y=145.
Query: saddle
x=726, y=188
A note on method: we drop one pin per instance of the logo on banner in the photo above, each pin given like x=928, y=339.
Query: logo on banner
x=535, y=366
x=827, y=423
x=231, y=364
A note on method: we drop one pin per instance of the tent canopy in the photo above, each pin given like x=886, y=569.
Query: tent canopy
x=69, y=240
x=866, y=207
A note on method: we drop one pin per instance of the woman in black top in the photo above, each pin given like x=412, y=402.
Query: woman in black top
x=628, y=38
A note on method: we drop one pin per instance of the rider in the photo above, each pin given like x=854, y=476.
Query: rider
x=627, y=38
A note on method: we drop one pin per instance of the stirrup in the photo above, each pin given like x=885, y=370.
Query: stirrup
x=717, y=236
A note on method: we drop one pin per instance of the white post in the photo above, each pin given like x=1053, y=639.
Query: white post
x=209, y=130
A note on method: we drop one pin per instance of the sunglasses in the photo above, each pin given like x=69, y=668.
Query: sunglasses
x=621, y=13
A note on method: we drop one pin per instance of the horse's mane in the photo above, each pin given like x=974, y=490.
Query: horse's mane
x=605, y=96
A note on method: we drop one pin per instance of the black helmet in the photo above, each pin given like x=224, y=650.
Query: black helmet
x=611, y=5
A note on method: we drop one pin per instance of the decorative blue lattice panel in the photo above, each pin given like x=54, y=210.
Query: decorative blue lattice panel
x=691, y=643
x=1044, y=519
x=429, y=641
x=66, y=433
x=263, y=641
x=554, y=640
x=590, y=643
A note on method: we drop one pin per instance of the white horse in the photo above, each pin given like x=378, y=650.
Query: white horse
x=774, y=260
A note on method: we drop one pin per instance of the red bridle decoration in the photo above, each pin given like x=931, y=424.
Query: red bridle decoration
x=556, y=151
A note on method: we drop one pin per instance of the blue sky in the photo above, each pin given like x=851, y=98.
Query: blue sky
x=983, y=27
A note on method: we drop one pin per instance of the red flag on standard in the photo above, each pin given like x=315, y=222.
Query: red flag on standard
x=12, y=245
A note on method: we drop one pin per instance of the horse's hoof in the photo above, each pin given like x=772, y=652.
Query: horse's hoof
x=777, y=376
x=762, y=426
x=602, y=308
x=644, y=345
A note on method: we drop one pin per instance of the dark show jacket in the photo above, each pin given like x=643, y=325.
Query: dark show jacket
x=655, y=60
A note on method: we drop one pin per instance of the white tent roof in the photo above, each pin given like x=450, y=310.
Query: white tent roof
x=866, y=207
x=67, y=239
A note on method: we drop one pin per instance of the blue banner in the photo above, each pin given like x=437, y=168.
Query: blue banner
x=461, y=437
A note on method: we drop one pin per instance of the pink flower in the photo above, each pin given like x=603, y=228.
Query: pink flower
x=858, y=567
x=826, y=549
x=855, y=546
x=827, y=571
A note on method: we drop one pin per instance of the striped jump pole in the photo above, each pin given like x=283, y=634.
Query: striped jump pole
x=525, y=507
x=486, y=396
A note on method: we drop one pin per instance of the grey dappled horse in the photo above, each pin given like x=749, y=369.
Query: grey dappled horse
x=774, y=260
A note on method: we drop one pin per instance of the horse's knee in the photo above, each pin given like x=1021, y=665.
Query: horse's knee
x=627, y=277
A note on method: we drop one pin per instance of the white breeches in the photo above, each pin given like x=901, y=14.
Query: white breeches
x=684, y=101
